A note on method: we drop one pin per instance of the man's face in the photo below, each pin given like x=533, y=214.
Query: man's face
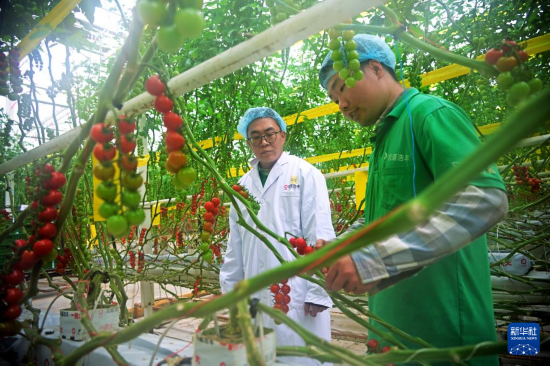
x=267, y=152
x=363, y=103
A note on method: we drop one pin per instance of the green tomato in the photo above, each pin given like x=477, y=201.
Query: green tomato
x=354, y=65
x=334, y=45
x=131, y=180
x=152, y=12
x=358, y=75
x=106, y=191
x=350, y=82
x=135, y=217
x=520, y=90
x=505, y=80
x=281, y=16
x=344, y=74
x=197, y=4
x=205, y=236
x=204, y=247
x=350, y=46
x=108, y=209
x=352, y=55
x=336, y=55
x=169, y=39
x=348, y=35
x=117, y=225
x=337, y=66
x=208, y=256
x=187, y=175
x=189, y=23
x=535, y=85
x=131, y=199
x=179, y=185
x=50, y=257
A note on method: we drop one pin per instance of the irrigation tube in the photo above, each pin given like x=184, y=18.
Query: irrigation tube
x=283, y=35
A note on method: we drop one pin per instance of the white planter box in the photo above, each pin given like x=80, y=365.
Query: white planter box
x=208, y=351
x=104, y=320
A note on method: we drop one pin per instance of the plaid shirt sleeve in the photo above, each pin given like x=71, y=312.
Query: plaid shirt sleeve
x=468, y=215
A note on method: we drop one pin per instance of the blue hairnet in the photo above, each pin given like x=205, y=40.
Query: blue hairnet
x=369, y=47
x=255, y=113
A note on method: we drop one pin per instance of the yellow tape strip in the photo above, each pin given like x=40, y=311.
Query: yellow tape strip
x=46, y=25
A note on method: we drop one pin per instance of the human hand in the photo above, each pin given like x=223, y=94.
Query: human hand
x=343, y=275
x=313, y=309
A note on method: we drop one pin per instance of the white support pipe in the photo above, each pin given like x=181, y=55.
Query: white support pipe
x=283, y=35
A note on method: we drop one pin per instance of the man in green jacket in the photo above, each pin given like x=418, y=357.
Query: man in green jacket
x=432, y=282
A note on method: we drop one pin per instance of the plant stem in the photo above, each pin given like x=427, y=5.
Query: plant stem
x=252, y=354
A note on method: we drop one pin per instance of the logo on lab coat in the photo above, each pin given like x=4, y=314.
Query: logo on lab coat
x=293, y=183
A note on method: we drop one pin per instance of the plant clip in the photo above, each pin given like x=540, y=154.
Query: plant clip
x=254, y=307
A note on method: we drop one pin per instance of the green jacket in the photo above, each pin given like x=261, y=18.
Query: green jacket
x=450, y=302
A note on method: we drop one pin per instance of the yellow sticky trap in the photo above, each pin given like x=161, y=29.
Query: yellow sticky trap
x=360, y=187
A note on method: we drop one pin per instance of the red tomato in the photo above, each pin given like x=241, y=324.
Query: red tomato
x=104, y=152
x=523, y=55
x=308, y=250
x=129, y=163
x=508, y=45
x=15, y=277
x=28, y=260
x=126, y=145
x=13, y=296
x=285, y=308
x=285, y=289
x=155, y=86
x=177, y=159
x=209, y=206
x=216, y=201
x=174, y=141
x=52, y=198
x=47, y=215
x=385, y=349
x=506, y=63
x=215, y=211
x=12, y=312
x=56, y=181
x=43, y=247
x=300, y=243
x=208, y=227
x=172, y=121
x=300, y=251
x=20, y=243
x=163, y=104
x=124, y=126
x=373, y=345
x=492, y=56
x=171, y=168
x=237, y=188
x=274, y=288
x=101, y=133
x=287, y=300
x=279, y=298
x=292, y=242
x=208, y=216
x=47, y=231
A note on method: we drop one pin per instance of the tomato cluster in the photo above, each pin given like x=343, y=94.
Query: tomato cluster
x=343, y=46
x=141, y=261
x=196, y=286
x=175, y=28
x=63, y=261
x=521, y=174
x=281, y=10
x=240, y=190
x=16, y=81
x=176, y=163
x=5, y=219
x=301, y=246
x=118, y=224
x=510, y=59
x=37, y=247
x=209, y=217
x=281, y=297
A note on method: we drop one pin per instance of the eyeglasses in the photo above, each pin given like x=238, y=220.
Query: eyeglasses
x=269, y=137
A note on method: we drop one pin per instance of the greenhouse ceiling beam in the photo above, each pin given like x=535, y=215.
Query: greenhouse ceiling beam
x=283, y=35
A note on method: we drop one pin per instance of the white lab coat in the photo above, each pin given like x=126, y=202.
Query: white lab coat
x=294, y=200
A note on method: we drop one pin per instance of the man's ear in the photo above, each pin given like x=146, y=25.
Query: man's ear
x=377, y=67
x=283, y=135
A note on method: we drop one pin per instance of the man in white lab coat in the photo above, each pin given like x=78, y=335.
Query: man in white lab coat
x=293, y=199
